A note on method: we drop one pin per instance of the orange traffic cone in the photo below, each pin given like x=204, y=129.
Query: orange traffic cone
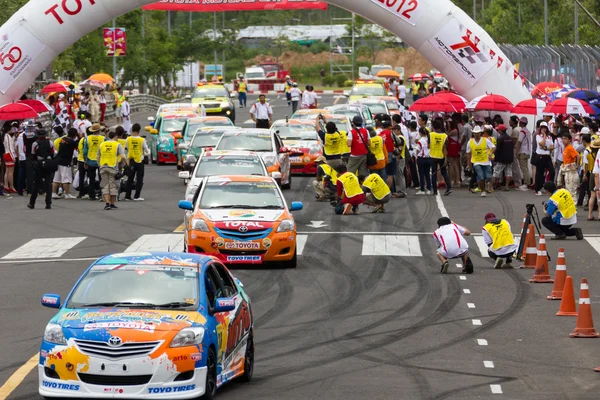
x=559, y=277
x=567, y=304
x=584, y=328
x=529, y=249
x=541, y=274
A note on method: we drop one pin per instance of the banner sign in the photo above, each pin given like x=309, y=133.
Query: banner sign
x=407, y=10
x=115, y=42
x=235, y=5
x=465, y=50
x=17, y=50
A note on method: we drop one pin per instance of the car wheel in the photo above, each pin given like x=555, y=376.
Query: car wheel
x=248, y=360
x=210, y=389
x=232, y=117
x=289, y=184
x=291, y=263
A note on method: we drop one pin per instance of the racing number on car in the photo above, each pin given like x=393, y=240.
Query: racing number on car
x=10, y=59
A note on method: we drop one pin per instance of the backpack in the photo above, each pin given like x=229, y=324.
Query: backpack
x=45, y=161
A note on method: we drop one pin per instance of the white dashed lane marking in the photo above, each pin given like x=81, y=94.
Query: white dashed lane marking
x=488, y=364
x=482, y=342
x=463, y=278
x=300, y=243
x=471, y=305
x=467, y=291
x=476, y=322
x=496, y=389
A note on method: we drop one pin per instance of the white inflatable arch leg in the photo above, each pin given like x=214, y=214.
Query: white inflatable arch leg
x=439, y=30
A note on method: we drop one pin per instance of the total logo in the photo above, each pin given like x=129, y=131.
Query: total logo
x=247, y=224
x=242, y=213
x=174, y=389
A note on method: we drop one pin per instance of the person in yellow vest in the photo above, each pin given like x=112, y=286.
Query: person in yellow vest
x=81, y=165
x=109, y=155
x=288, y=88
x=414, y=89
x=500, y=240
x=438, y=150
x=90, y=150
x=377, y=192
x=479, y=154
x=325, y=184
x=349, y=191
x=377, y=147
x=561, y=213
x=588, y=184
x=136, y=148
x=333, y=141
x=242, y=92
x=119, y=99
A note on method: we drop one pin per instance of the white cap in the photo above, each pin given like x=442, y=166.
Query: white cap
x=61, y=96
x=477, y=129
x=544, y=123
x=585, y=130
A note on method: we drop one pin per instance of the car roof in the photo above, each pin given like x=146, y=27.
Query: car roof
x=174, y=115
x=155, y=258
x=178, y=105
x=238, y=178
x=248, y=132
x=204, y=119
x=233, y=153
x=310, y=111
x=292, y=122
x=336, y=116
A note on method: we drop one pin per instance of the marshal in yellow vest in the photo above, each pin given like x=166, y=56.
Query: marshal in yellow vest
x=333, y=142
x=436, y=144
x=500, y=234
x=351, y=185
x=378, y=187
x=93, y=142
x=344, y=148
x=135, y=148
x=109, y=154
x=330, y=172
x=479, y=153
x=376, y=147
x=565, y=203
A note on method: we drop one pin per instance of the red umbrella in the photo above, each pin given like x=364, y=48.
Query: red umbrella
x=545, y=88
x=419, y=77
x=458, y=102
x=432, y=104
x=14, y=111
x=568, y=105
x=55, y=88
x=490, y=102
x=529, y=107
x=37, y=105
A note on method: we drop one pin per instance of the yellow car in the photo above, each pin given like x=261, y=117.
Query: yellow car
x=216, y=100
x=363, y=89
x=241, y=220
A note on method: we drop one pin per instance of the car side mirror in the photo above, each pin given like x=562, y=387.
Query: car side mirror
x=296, y=206
x=184, y=175
x=51, y=300
x=346, y=93
x=177, y=136
x=188, y=96
x=154, y=131
x=147, y=128
x=276, y=175
x=151, y=119
x=186, y=205
x=224, y=304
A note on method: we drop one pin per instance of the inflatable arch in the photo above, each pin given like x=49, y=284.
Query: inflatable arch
x=440, y=31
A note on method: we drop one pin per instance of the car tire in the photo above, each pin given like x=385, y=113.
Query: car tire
x=232, y=117
x=210, y=388
x=291, y=263
x=288, y=185
x=248, y=359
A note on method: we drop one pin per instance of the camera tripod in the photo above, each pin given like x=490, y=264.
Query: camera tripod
x=529, y=219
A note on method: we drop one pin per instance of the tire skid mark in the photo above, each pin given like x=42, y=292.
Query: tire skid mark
x=284, y=299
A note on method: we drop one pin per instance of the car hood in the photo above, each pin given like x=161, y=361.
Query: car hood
x=123, y=319
x=301, y=144
x=212, y=100
x=236, y=215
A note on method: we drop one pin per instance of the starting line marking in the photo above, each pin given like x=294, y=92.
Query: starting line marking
x=482, y=342
x=496, y=389
x=488, y=364
x=50, y=248
x=467, y=291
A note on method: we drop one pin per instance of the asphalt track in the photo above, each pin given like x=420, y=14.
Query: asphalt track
x=344, y=324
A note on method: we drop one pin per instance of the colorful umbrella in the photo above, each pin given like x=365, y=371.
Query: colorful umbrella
x=91, y=84
x=419, y=77
x=15, y=111
x=458, y=102
x=557, y=94
x=529, y=107
x=388, y=73
x=545, y=88
x=67, y=83
x=591, y=96
x=37, y=105
x=432, y=104
x=55, y=88
x=104, y=78
x=490, y=102
x=568, y=105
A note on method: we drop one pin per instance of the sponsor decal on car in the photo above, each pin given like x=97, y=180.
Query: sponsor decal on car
x=61, y=386
x=242, y=245
x=243, y=258
x=267, y=243
x=226, y=302
x=119, y=325
x=242, y=213
x=49, y=300
x=296, y=160
x=174, y=389
x=196, y=356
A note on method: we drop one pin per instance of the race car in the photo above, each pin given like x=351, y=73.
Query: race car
x=241, y=220
x=175, y=107
x=201, y=138
x=366, y=88
x=310, y=114
x=216, y=100
x=165, y=133
x=391, y=102
x=148, y=326
x=376, y=106
x=300, y=137
x=268, y=145
x=341, y=121
x=352, y=110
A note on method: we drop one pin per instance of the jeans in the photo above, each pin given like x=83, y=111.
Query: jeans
x=294, y=105
x=42, y=180
x=483, y=172
x=91, y=171
x=544, y=162
x=441, y=163
x=414, y=174
x=424, y=165
x=242, y=97
x=82, y=172
x=138, y=172
x=557, y=229
x=21, y=180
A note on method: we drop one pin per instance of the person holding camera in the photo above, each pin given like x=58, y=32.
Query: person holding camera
x=377, y=192
x=543, y=151
x=110, y=153
x=561, y=213
x=498, y=236
x=349, y=192
x=325, y=184
x=44, y=167
x=450, y=242
x=332, y=141
x=358, y=140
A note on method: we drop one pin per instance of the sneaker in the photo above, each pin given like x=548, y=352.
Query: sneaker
x=69, y=196
x=447, y=192
x=498, y=263
x=523, y=188
x=55, y=196
x=347, y=209
x=428, y=192
x=112, y=206
x=468, y=268
x=355, y=211
x=30, y=206
x=48, y=207
x=377, y=209
x=444, y=269
x=128, y=199
x=477, y=190
x=85, y=197
x=508, y=264
x=483, y=194
x=538, y=193
x=578, y=233
x=139, y=199
x=420, y=193
x=107, y=208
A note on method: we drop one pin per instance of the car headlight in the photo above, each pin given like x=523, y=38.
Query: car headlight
x=198, y=224
x=270, y=160
x=314, y=150
x=188, y=337
x=165, y=141
x=224, y=105
x=54, y=334
x=286, y=225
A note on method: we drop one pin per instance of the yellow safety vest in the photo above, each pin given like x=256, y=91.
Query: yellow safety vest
x=288, y=87
x=376, y=147
x=591, y=159
x=108, y=153
x=403, y=150
x=80, y=156
x=436, y=145
x=57, y=143
x=332, y=143
x=479, y=153
x=135, y=148
x=415, y=89
x=242, y=87
x=565, y=203
x=378, y=187
x=119, y=99
x=344, y=148
x=330, y=172
x=500, y=234
x=351, y=186
x=94, y=141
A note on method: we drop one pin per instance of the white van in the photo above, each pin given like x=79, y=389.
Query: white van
x=255, y=73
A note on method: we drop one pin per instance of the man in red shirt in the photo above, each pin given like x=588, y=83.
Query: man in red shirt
x=358, y=141
x=349, y=192
x=388, y=141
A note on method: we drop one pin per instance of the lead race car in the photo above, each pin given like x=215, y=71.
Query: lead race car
x=148, y=326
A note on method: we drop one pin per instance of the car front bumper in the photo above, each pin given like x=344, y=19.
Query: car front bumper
x=167, y=157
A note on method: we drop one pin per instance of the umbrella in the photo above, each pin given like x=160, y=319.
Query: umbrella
x=55, y=88
x=545, y=88
x=591, y=96
x=67, y=83
x=490, y=102
x=557, y=94
x=388, y=73
x=419, y=77
x=458, y=102
x=568, y=105
x=529, y=107
x=37, y=105
x=104, y=78
x=91, y=84
x=432, y=104
x=14, y=111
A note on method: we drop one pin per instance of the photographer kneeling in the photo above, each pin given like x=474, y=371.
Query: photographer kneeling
x=561, y=213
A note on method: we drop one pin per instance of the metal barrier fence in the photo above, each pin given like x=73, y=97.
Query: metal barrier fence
x=568, y=64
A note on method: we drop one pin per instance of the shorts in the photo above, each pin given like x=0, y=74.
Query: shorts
x=500, y=168
x=372, y=199
x=63, y=175
x=118, y=112
x=390, y=168
x=9, y=161
x=483, y=172
x=108, y=183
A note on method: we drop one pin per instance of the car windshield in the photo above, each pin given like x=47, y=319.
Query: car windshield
x=392, y=105
x=206, y=139
x=210, y=91
x=246, y=195
x=194, y=127
x=377, y=108
x=144, y=286
x=173, y=125
x=349, y=112
x=368, y=90
x=255, y=75
x=341, y=123
x=241, y=141
x=297, y=132
x=229, y=165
